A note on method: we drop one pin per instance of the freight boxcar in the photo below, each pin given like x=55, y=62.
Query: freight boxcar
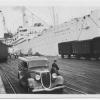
x=65, y=48
x=82, y=48
x=96, y=47
x=3, y=52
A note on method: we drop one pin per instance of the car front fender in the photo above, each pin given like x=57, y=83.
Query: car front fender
x=33, y=83
x=59, y=80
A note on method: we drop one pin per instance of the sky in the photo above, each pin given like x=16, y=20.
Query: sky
x=64, y=11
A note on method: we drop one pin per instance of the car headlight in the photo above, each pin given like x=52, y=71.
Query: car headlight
x=37, y=77
x=54, y=75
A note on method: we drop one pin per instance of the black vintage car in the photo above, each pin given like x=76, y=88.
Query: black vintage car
x=34, y=73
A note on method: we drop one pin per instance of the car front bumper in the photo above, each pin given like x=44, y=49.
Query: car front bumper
x=48, y=89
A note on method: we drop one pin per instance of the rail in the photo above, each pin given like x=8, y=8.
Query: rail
x=11, y=86
x=76, y=90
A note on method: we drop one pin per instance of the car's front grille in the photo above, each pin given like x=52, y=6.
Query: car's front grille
x=46, y=79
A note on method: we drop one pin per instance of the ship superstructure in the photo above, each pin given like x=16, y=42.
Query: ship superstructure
x=46, y=41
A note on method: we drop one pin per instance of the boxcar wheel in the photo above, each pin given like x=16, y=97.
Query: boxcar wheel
x=97, y=58
x=69, y=56
x=62, y=56
x=78, y=57
x=88, y=58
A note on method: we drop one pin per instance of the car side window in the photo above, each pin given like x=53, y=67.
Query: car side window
x=22, y=65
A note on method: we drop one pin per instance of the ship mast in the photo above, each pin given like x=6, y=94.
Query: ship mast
x=53, y=11
x=35, y=16
x=24, y=15
x=4, y=25
x=55, y=18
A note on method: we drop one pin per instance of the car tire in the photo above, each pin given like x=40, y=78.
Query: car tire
x=18, y=75
x=29, y=90
x=20, y=83
x=60, y=91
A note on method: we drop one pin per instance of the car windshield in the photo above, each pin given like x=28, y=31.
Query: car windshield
x=39, y=68
x=38, y=64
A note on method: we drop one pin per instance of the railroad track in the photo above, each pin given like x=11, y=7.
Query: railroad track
x=9, y=86
x=12, y=89
x=75, y=91
x=7, y=69
x=10, y=80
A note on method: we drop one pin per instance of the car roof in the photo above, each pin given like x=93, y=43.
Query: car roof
x=33, y=58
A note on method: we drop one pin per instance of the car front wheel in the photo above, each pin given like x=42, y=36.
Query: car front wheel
x=18, y=75
x=60, y=91
x=29, y=90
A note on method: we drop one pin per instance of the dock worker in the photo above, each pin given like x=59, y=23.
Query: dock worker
x=55, y=67
x=25, y=74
